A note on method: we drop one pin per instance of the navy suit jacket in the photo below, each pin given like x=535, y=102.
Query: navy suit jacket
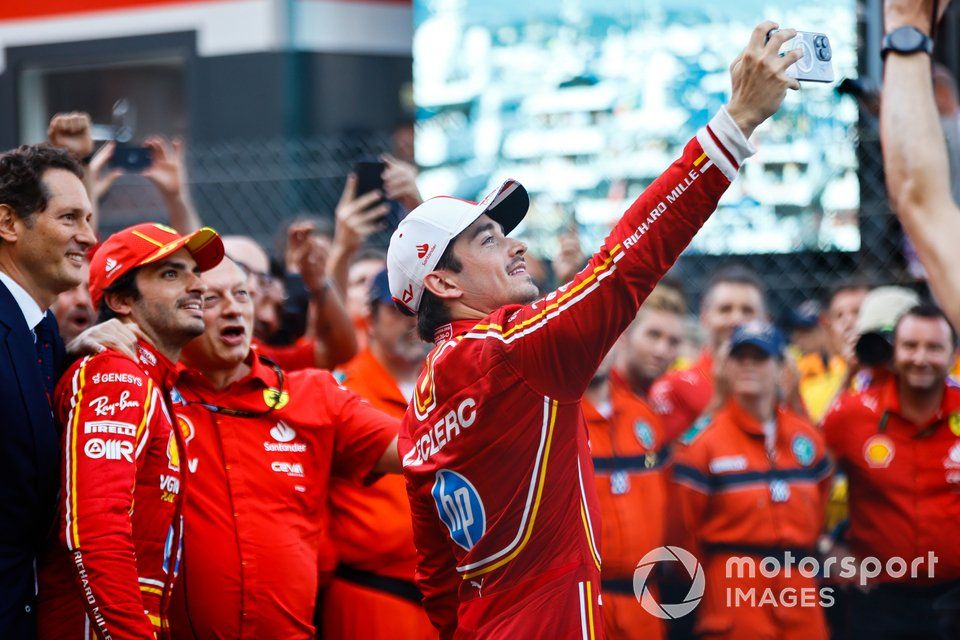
x=29, y=465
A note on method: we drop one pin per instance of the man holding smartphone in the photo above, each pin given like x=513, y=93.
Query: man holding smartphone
x=494, y=445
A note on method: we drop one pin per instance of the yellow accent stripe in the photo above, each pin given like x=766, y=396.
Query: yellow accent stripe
x=586, y=529
x=146, y=412
x=74, y=526
x=702, y=157
x=599, y=269
x=590, y=611
x=154, y=620
x=159, y=592
x=536, y=504
x=144, y=236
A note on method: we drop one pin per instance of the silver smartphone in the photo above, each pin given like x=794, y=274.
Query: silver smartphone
x=816, y=64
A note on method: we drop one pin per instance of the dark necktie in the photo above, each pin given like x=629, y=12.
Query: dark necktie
x=45, y=355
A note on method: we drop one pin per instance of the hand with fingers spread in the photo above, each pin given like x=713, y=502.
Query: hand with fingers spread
x=759, y=77
x=400, y=182
x=73, y=132
x=98, y=182
x=113, y=334
x=357, y=216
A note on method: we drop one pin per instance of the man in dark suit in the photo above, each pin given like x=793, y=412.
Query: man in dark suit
x=45, y=233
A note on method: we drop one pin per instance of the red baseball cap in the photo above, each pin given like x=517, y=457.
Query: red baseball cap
x=144, y=244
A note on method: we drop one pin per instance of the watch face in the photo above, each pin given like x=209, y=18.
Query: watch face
x=906, y=39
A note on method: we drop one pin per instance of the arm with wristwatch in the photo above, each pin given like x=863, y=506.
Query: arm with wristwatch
x=914, y=151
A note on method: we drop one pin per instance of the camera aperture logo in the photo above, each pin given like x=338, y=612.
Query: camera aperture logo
x=647, y=599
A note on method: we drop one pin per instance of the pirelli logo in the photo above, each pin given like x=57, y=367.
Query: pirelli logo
x=112, y=427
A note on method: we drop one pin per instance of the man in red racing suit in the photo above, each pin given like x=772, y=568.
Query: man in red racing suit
x=494, y=445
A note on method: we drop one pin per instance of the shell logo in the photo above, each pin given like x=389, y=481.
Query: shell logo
x=173, y=451
x=878, y=451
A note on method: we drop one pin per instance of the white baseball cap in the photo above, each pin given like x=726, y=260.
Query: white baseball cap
x=424, y=234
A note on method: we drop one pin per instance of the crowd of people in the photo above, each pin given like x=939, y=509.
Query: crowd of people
x=207, y=439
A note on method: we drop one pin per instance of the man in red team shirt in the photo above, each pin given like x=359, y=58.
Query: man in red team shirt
x=898, y=441
x=732, y=297
x=119, y=521
x=494, y=445
x=263, y=444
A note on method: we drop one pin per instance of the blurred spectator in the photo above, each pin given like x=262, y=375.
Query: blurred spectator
x=819, y=385
x=807, y=336
x=73, y=308
x=264, y=444
x=402, y=141
x=372, y=594
x=916, y=161
x=366, y=264
x=570, y=258
x=630, y=455
x=44, y=236
x=733, y=296
x=897, y=443
x=879, y=313
x=752, y=484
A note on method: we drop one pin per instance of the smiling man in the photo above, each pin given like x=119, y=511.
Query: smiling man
x=44, y=232
x=119, y=523
x=264, y=444
x=495, y=447
x=899, y=443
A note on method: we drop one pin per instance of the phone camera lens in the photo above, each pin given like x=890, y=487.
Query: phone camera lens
x=823, y=53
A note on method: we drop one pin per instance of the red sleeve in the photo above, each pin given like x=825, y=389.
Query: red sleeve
x=557, y=343
x=301, y=354
x=362, y=433
x=436, y=574
x=670, y=398
x=835, y=431
x=105, y=406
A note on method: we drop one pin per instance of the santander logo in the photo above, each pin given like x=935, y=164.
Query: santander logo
x=422, y=250
x=282, y=433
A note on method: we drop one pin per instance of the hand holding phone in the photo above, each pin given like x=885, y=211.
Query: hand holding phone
x=816, y=64
x=131, y=159
x=369, y=176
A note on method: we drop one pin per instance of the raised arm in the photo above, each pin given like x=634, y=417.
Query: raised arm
x=559, y=342
x=915, y=157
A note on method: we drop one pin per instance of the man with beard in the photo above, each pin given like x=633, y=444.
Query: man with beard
x=119, y=518
x=494, y=445
x=263, y=444
x=898, y=442
x=372, y=594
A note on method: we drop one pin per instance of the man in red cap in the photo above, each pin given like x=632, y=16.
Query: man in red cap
x=119, y=519
x=494, y=445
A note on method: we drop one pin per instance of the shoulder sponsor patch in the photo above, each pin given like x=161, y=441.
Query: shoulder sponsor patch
x=726, y=464
x=644, y=434
x=878, y=451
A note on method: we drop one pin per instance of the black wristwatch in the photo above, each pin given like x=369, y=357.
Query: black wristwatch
x=905, y=41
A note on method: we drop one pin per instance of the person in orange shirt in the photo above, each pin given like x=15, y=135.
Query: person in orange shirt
x=372, y=594
x=629, y=456
x=732, y=296
x=752, y=485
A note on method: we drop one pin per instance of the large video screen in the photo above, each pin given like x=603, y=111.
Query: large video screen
x=587, y=101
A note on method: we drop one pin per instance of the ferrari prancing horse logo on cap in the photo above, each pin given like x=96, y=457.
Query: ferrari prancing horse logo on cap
x=878, y=451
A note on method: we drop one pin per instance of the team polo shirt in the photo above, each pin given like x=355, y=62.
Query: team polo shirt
x=904, y=478
x=253, y=520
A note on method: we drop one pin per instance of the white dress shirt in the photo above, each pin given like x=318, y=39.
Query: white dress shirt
x=32, y=312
